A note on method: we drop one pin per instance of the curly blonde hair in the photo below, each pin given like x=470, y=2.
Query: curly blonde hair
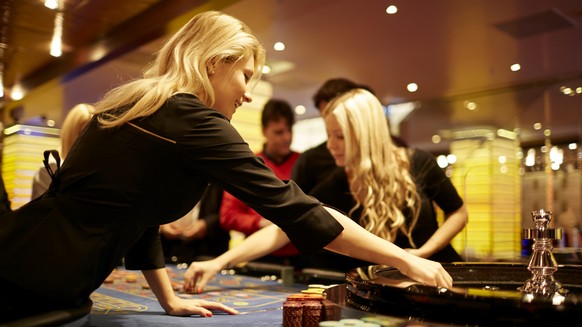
x=378, y=170
x=182, y=66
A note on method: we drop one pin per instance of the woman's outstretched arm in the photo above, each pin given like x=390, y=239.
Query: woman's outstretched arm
x=354, y=241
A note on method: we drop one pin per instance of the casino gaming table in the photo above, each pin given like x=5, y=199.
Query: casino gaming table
x=371, y=294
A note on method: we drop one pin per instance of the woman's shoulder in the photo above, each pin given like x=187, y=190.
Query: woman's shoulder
x=420, y=159
x=180, y=113
x=187, y=101
x=420, y=155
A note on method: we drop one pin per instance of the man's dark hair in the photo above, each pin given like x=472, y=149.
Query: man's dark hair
x=332, y=88
x=276, y=109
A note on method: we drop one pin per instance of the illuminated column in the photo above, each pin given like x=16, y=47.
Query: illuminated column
x=22, y=156
x=247, y=119
x=487, y=175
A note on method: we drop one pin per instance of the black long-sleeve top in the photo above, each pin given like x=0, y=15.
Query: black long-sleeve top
x=433, y=186
x=119, y=184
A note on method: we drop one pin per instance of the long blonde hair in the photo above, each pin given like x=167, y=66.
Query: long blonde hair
x=182, y=66
x=76, y=119
x=378, y=170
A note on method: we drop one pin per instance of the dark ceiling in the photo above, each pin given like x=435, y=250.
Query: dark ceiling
x=456, y=50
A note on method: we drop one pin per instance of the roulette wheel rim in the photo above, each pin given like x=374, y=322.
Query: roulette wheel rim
x=482, y=293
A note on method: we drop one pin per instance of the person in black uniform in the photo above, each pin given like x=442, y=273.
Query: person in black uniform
x=389, y=189
x=145, y=159
x=316, y=163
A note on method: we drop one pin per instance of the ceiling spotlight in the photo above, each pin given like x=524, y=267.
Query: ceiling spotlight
x=442, y=161
x=392, y=9
x=412, y=87
x=300, y=110
x=515, y=67
x=51, y=4
x=279, y=46
x=17, y=93
x=470, y=105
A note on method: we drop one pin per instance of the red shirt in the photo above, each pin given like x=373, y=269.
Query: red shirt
x=235, y=215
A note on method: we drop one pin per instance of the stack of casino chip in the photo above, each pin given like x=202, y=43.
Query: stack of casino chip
x=292, y=314
x=311, y=313
x=309, y=308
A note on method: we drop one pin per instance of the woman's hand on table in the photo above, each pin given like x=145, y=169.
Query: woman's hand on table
x=198, y=274
x=187, y=307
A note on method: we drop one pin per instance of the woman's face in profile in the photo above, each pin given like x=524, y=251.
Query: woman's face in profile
x=335, y=139
x=230, y=82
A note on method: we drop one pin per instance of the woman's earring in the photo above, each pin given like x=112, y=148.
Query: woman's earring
x=212, y=72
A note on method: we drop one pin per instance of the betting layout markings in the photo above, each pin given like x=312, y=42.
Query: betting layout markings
x=243, y=293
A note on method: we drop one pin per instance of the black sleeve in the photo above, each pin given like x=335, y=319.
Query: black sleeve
x=210, y=206
x=213, y=147
x=4, y=200
x=433, y=180
x=147, y=252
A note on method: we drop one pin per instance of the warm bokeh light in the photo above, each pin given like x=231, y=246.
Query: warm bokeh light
x=17, y=93
x=51, y=4
x=515, y=67
x=470, y=105
x=548, y=132
x=391, y=10
x=57, y=41
x=279, y=46
x=412, y=87
x=442, y=161
x=300, y=110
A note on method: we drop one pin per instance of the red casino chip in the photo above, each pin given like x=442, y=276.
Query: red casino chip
x=292, y=314
x=311, y=313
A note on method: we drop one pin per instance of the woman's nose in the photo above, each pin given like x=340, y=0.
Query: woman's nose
x=247, y=97
x=329, y=143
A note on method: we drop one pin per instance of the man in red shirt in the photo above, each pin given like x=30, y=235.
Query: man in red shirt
x=277, y=122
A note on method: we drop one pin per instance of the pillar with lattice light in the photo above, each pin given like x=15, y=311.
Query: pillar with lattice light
x=22, y=156
x=247, y=119
x=487, y=175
